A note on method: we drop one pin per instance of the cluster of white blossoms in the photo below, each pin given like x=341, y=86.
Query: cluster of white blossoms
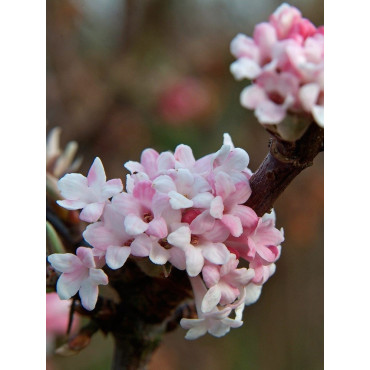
x=178, y=210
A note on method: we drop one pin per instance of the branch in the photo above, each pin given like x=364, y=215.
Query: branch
x=282, y=164
x=146, y=305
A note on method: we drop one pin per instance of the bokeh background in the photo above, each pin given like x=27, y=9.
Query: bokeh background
x=124, y=75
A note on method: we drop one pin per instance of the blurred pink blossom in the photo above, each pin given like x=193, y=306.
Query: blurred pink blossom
x=185, y=100
x=57, y=318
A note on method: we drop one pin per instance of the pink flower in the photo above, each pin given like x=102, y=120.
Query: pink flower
x=260, y=240
x=142, y=210
x=228, y=204
x=271, y=96
x=90, y=194
x=224, y=282
x=199, y=247
x=79, y=274
x=158, y=250
x=216, y=322
x=262, y=270
x=288, y=22
x=152, y=164
x=109, y=238
x=285, y=61
x=184, y=189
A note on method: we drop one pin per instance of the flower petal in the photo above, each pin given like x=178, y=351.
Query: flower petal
x=164, y=184
x=180, y=238
x=96, y=177
x=133, y=166
x=233, y=223
x=211, y=299
x=157, y=227
x=269, y=113
x=73, y=186
x=64, y=262
x=202, y=200
x=71, y=204
x=116, y=256
x=144, y=192
x=211, y=275
x=184, y=156
x=178, y=201
x=69, y=283
x=224, y=185
x=196, y=331
x=141, y=246
x=111, y=188
x=89, y=294
x=159, y=255
x=245, y=68
x=86, y=256
x=253, y=292
x=308, y=95
x=98, y=277
x=134, y=225
x=203, y=222
x=217, y=207
x=215, y=252
x=149, y=161
x=252, y=96
x=92, y=212
x=318, y=114
x=166, y=161
x=194, y=260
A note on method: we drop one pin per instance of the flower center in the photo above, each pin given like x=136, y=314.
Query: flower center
x=194, y=240
x=276, y=97
x=164, y=243
x=127, y=243
x=147, y=217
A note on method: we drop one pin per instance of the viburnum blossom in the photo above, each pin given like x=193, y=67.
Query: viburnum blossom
x=79, y=274
x=89, y=193
x=216, y=322
x=285, y=62
x=178, y=210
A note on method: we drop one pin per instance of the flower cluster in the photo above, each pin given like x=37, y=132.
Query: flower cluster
x=178, y=210
x=285, y=61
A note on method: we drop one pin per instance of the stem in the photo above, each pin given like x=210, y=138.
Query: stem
x=147, y=305
x=133, y=350
x=282, y=164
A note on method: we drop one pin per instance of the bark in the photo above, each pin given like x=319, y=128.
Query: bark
x=282, y=164
x=147, y=306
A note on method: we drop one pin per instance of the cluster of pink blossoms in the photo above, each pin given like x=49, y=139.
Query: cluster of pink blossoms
x=285, y=61
x=178, y=210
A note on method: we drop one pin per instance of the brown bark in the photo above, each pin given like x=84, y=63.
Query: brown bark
x=282, y=164
x=147, y=306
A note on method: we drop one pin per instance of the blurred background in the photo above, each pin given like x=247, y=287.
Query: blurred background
x=124, y=75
